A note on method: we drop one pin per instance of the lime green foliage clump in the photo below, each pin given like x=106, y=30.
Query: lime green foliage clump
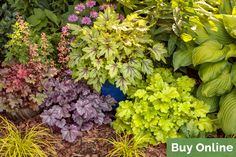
x=34, y=142
x=164, y=109
x=120, y=51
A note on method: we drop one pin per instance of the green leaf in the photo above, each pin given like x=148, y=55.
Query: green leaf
x=231, y=52
x=122, y=83
x=213, y=102
x=230, y=24
x=33, y=20
x=233, y=74
x=182, y=58
x=113, y=69
x=219, y=86
x=226, y=115
x=130, y=73
x=52, y=16
x=39, y=14
x=158, y=52
x=172, y=44
x=147, y=66
x=209, y=51
x=210, y=71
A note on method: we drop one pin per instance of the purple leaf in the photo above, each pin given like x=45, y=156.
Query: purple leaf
x=60, y=123
x=87, y=126
x=70, y=133
x=48, y=118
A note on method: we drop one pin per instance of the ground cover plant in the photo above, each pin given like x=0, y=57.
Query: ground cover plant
x=73, y=107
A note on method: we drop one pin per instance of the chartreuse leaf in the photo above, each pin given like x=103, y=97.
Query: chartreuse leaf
x=230, y=24
x=210, y=71
x=209, y=51
x=231, y=52
x=227, y=114
x=182, y=58
x=213, y=102
x=162, y=108
x=233, y=74
x=219, y=86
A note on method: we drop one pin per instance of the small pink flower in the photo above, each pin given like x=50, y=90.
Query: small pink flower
x=121, y=17
x=80, y=7
x=65, y=29
x=90, y=3
x=93, y=14
x=86, y=20
x=104, y=6
x=73, y=18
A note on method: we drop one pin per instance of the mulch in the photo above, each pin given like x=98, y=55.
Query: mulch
x=91, y=144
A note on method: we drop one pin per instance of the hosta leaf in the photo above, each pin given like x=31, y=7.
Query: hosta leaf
x=213, y=102
x=233, y=74
x=231, y=52
x=209, y=51
x=230, y=24
x=210, y=71
x=219, y=86
x=227, y=114
x=182, y=58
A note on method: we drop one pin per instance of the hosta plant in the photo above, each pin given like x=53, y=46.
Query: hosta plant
x=164, y=108
x=72, y=107
x=114, y=50
x=208, y=28
x=34, y=141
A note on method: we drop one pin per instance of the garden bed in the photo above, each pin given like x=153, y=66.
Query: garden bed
x=92, y=143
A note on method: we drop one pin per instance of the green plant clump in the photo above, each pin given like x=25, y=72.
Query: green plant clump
x=208, y=27
x=164, y=108
x=120, y=51
x=34, y=142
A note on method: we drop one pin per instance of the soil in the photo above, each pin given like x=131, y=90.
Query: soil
x=91, y=144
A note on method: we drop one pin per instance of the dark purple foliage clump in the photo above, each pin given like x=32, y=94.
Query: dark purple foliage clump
x=73, y=107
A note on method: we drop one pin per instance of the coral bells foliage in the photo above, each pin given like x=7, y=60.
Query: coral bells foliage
x=86, y=13
x=73, y=107
x=120, y=51
x=164, y=108
x=21, y=85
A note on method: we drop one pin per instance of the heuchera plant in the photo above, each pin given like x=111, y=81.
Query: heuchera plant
x=120, y=51
x=21, y=85
x=163, y=109
x=73, y=107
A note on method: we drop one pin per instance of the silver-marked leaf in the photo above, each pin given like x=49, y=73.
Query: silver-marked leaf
x=159, y=52
x=147, y=66
x=130, y=73
x=210, y=71
x=113, y=69
x=70, y=133
x=209, y=51
x=122, y=83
